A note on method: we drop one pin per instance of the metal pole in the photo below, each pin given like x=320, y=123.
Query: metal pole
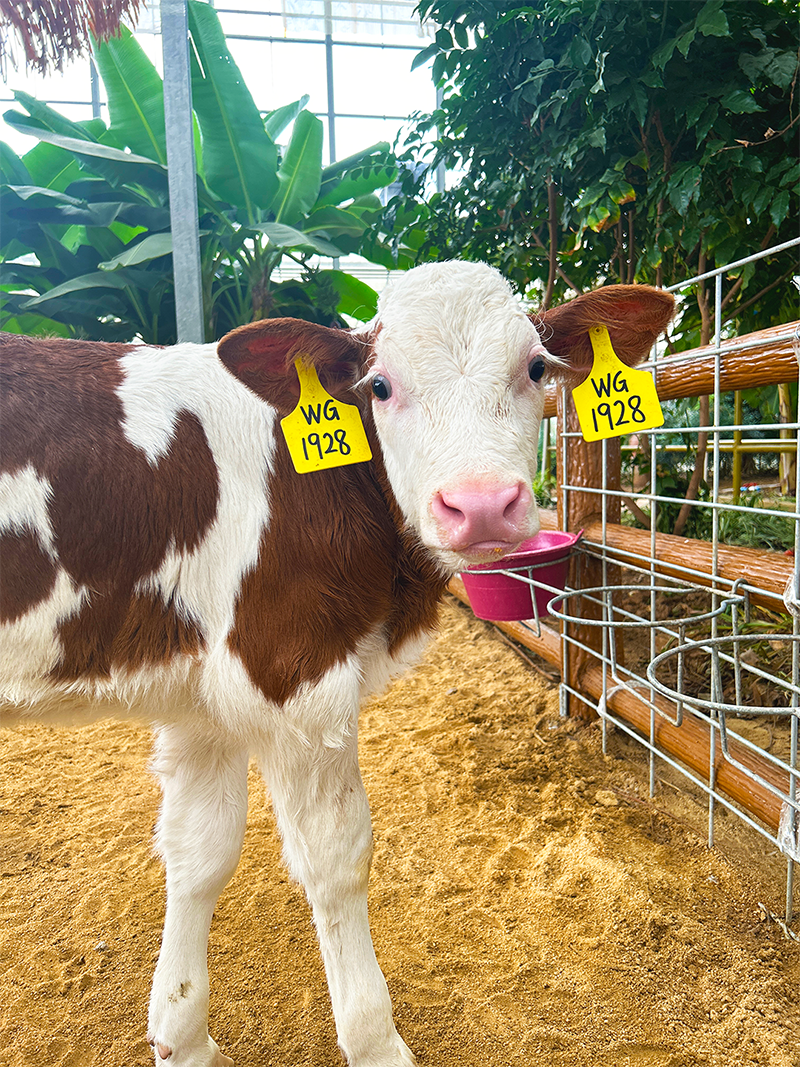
x=329, y=81
x=94, y=84
x=182, y=171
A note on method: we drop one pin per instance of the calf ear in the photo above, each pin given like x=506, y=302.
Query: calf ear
x=634, y=314
x=262, y=355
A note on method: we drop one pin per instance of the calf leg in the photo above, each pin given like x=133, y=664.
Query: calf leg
x=199, y=835
x=322, y=812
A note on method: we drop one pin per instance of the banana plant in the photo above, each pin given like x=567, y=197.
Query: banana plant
x=85, y=241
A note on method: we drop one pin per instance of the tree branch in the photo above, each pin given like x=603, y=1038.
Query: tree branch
x=552, y=224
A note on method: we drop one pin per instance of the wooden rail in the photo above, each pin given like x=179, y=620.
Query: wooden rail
x=769, y=571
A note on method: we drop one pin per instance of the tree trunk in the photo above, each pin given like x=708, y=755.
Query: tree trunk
x=703, y=420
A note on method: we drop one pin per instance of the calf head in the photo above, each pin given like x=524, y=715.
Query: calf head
x=454, y=371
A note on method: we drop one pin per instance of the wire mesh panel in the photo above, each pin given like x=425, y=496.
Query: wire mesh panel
x=685, y=643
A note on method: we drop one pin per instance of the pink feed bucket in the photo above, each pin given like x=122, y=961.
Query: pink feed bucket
x=501, y=598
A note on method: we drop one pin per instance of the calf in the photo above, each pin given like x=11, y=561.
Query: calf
x=161, y=558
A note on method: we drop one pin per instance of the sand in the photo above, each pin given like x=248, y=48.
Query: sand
x=531, y=907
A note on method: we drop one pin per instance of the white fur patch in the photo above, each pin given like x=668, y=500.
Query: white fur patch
x=24, y=498
x=30, y=648
x=239, y=429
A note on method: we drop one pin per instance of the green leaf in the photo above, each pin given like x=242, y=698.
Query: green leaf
x=360, y=182
x=335, y=222
x=740, y=102
x=300, y=174
x=12, y=169
x=779, y=208
x=277, y=121
x=47, y=118
x=287, y=237
x=422, y=57
x=50, y=207
x=152, y=247
x=97, y=280
x=639, y=104
x=356, y=298
x=706, y=121
x=240, y=159
x=684, y=187
x=95, y=154
x=662, y=55
x=90, y=148
x=135, y=95
x=51, y=167
x=762, y=198
x=711, y=21
x=684, y=42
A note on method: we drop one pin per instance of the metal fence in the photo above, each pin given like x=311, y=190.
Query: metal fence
x=689, y=647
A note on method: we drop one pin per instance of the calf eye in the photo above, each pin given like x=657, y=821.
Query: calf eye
x=536, y=369
x=381, y=387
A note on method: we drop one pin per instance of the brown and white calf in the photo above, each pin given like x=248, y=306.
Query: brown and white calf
x=162, y=559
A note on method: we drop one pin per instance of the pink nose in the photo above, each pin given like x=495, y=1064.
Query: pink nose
x=483, y=516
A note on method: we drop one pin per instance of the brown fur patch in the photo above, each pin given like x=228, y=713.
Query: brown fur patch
x=113, y=515
x=333, y=567
x=126, y=631
x=27, y=575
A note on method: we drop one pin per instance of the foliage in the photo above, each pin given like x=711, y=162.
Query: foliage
x=85, y=224
x=754, y=529
x=544, y=489
x=598, y=140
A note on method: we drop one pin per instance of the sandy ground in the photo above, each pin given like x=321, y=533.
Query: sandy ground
x=529, y=908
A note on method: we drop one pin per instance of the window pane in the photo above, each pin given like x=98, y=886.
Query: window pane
x=352, y=135
x=281, y=72
x=379, y=81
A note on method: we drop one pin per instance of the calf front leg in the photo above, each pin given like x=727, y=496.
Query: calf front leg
x=199, y=836
x=323, y=815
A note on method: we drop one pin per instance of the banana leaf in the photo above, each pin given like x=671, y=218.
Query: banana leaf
x=356, y=298
x=111, y=163
x=45, y=117
x=51, y=167
x=98, y=280
x=300, y=173
x=335, y=221
x=152, y=247
x=276, y=121
x=240, y=159
x=288, y=237
x=135, y=95
x=12, y=169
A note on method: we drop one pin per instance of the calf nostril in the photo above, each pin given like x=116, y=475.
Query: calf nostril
x=513, y=503
x=446, y=511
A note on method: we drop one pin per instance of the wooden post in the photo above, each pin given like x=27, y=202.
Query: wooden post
x=787, y=462
x=738, y=414
x=581, y=464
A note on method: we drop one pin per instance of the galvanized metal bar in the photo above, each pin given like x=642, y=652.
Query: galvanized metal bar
x=182, y=172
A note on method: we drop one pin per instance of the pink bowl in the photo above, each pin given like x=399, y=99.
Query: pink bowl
x=500, y=598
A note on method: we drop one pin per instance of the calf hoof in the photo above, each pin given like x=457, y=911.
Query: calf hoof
x=210, y=1056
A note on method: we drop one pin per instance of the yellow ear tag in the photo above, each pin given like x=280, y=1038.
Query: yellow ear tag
x=322, y=432
x=614, y=400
